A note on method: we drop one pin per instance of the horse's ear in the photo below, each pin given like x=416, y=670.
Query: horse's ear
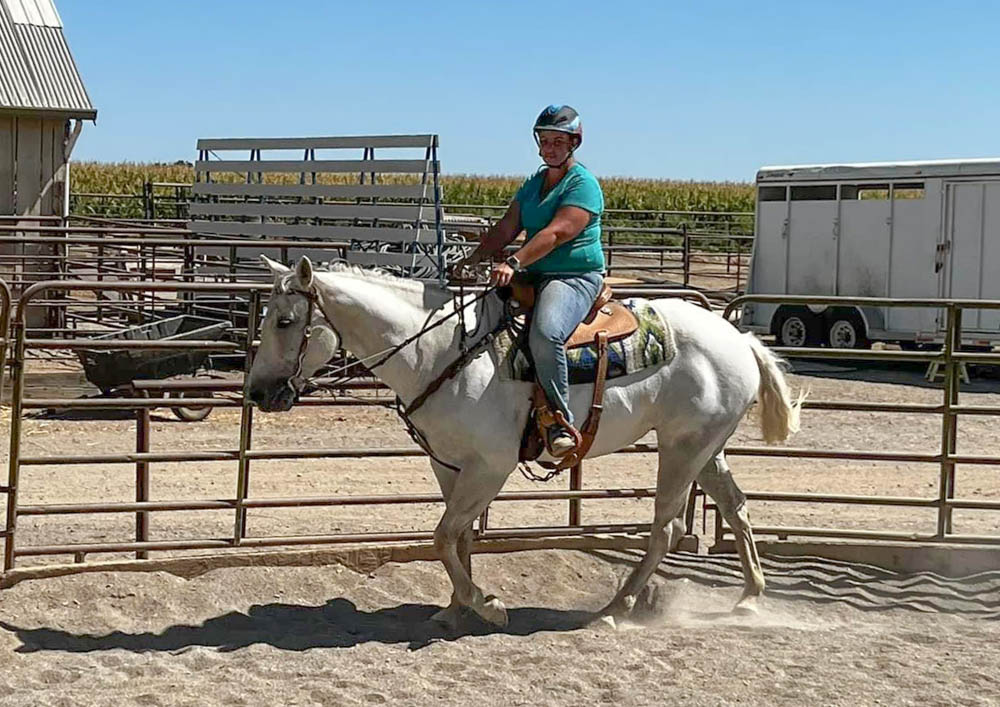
x=304, y=272
x=277, y=269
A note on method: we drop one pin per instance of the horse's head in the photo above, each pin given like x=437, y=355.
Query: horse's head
x=296, y=338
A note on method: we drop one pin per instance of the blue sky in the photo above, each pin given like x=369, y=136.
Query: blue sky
x=681, y=90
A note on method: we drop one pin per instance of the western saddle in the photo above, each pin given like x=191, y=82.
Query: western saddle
x=608, y=320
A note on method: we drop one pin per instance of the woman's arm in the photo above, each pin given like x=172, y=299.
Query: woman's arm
x=498, y=237
x=567, y=224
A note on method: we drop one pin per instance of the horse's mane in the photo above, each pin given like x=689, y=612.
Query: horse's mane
x=402, y=283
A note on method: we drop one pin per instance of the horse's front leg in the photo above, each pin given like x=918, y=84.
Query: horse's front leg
x=452, y=614
x=473, y=490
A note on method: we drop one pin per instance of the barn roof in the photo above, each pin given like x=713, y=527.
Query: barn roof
x=37, y=71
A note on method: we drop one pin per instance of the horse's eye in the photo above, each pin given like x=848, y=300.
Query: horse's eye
x=284, y=322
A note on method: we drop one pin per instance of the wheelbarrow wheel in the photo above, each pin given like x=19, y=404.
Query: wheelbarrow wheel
x=189, y=414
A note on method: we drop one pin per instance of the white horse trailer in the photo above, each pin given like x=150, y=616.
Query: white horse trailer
x=904, y=229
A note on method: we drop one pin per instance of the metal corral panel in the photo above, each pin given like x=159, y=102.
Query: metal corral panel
x=37, y=71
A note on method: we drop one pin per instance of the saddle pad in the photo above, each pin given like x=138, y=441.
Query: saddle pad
x=651, y=345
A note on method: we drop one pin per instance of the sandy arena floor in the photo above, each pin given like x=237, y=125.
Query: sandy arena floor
x=830, y=633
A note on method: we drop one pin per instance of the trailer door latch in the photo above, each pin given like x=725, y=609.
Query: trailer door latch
x=939, y=255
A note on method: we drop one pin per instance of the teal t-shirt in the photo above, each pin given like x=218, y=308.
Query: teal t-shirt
x=578, y=188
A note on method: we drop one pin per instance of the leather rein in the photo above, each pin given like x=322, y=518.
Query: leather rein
x=404, y=411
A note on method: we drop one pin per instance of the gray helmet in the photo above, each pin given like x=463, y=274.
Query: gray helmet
x=561, y=118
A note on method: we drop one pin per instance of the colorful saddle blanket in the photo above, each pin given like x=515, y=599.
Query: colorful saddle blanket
x=651, y=345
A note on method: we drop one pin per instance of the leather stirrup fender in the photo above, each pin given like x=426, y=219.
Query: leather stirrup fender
x=536, y=437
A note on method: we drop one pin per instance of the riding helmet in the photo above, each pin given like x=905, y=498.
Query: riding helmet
x=561, y=118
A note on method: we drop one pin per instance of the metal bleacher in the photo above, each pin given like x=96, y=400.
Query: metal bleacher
x=383, y=210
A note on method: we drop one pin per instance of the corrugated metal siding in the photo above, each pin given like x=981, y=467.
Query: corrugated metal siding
x=34, y=12
x=37, y=71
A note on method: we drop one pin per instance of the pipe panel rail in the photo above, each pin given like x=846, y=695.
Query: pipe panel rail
x=241, y=503
x=145, y=399
x=949, y=410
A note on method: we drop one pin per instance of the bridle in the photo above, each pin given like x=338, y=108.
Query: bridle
x=383, y=356
x=404, y=411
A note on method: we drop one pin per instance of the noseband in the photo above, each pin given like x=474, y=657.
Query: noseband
x=313, y=300
x=403, y=411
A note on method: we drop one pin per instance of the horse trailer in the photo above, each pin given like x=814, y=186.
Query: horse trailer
x=914, y=230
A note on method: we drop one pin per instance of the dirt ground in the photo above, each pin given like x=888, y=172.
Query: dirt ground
x=829, y=632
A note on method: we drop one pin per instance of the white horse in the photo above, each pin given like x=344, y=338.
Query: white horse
x=474, y=421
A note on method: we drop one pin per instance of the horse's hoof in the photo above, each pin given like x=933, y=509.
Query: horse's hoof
x=620, y=607
x=448, y=617
x=747, y=606
x=494, y=612
x=609, y=621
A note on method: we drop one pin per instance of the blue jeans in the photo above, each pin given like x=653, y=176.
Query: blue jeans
x=562, y=300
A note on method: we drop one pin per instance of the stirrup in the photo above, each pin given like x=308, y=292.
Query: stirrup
x=560, y=443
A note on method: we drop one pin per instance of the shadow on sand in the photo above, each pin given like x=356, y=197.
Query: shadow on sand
x=336, y=624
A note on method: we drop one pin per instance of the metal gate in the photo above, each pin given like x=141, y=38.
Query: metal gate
x=950, y=360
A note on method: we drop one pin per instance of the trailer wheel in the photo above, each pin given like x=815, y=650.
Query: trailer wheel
x=797, y=327
x=189, y=414
x=846, y=330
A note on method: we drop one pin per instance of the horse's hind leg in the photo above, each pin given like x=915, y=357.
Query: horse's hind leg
x=718, y=483
x=673, y=480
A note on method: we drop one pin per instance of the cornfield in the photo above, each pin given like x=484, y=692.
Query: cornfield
x=127, y=179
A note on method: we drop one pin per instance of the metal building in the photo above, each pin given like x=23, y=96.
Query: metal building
x=42, y=104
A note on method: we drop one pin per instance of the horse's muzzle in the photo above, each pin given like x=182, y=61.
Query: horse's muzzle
x=276, y=397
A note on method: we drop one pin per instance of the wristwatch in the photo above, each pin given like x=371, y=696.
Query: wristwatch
x=513, y=263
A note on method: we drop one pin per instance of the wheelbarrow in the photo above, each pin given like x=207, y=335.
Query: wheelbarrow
x=114, y=370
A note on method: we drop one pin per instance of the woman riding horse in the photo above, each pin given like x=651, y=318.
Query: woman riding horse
x=560, y=209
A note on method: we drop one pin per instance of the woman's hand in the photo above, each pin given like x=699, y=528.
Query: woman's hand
x=465, y=269
x=501, y=275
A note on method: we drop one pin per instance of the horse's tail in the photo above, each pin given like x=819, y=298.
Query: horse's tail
x=779, y=412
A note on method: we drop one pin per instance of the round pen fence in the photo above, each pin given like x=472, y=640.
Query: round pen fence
x=241, y=502
x=952, y=359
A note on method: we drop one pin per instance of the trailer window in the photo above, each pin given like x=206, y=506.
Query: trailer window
x=772, y=193
x=868, y=192
x=909, y=190
x=826, y=192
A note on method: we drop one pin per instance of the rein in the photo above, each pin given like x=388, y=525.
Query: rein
x=404, y=411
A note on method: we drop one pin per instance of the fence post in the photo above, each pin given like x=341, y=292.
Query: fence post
x=246, y=425
x=5, y=304
x=142, y=478
x=686, y=253
x=575, y=484
x=148, y=209
x=946, y=483
x=16, y=411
